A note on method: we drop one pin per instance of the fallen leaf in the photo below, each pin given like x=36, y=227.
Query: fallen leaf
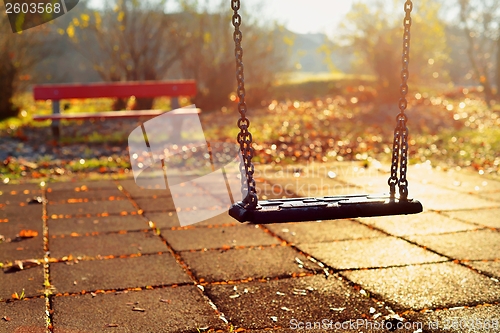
x=337, y=309
x=138, y=309
x=28, y=233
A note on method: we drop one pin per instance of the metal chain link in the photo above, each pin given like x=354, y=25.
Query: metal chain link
x=244, y=137
x=400, y=145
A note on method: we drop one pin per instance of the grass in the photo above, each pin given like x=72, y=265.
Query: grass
x=19, y=296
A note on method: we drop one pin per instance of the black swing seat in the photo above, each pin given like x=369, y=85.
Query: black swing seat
x=324, y=208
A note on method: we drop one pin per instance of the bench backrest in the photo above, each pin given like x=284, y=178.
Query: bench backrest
x=115, y=89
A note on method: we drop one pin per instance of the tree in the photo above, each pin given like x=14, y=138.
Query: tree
x=374, y=34
x=19, y=53
x=130, y=40
x=480, y=21
x=210, y=58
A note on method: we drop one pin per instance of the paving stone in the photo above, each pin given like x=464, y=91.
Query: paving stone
x=461, y=320
x=15, y=198
x=484, y=217
x=452, y=200
x=136, y=192
x=325, y=231
x=427, y=286
x=18, y=188
x=368, y=253
x=82, y=185
x=91, y=207
x=369, y=184
x=164, y=220
x=105, y=245
x=97, y=224
x=16, y=211
x=219, y=220
x=473, y=245
x=25, y=316
x=94, y=195
x=417, y=224
x=290, y=301
x=160, y=204
x=315, y=179
x=168, y=220
x=491, y=267
x=31, y=280
x=216, y=238
x=198, y=217
x=119, y=273
x=238, y=264
x=495, y=196
x=184, y=309
x=28, y=248
x=462, y=180
x=304, y=186
x=12, y=228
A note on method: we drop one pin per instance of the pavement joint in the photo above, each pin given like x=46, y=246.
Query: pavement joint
x=69, y=216
x=96, y=233
x=46, y=265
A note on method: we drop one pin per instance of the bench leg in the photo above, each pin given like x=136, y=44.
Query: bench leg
x=56, y=109
x=177, y=121
x=174, y=103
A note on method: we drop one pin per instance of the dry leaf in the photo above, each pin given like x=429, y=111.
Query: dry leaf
x=138, y=309
x=28, y=233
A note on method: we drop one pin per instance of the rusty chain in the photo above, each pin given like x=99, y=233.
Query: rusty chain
x=244, y=136
x=400, y=145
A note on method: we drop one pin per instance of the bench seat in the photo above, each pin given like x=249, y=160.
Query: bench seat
x=111, y=114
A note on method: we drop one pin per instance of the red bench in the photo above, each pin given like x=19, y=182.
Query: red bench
x=146, y=89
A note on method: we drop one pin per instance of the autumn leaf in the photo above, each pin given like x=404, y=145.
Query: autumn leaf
x=28, y=233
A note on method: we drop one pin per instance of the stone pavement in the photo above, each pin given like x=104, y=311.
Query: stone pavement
x=107, y=256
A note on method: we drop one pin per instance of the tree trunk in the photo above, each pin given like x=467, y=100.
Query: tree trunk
x=498, y=68
x=7, y=77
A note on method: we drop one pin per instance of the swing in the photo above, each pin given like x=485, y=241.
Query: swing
x=250, y=209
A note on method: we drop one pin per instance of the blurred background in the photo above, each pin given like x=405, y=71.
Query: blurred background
x=322, y=76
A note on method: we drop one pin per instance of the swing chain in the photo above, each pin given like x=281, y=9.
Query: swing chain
x=400, y=145
x=244, y=136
